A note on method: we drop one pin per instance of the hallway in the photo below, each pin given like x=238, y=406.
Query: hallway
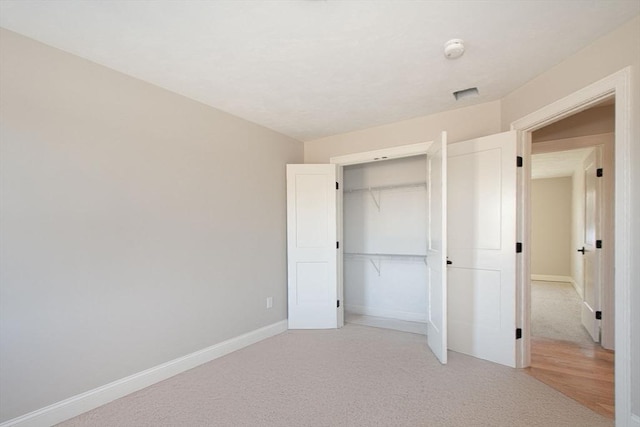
x=584, y=373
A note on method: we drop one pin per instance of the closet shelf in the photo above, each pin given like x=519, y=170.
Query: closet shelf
x=377, y=264
x=379, y=189
x=387, y=187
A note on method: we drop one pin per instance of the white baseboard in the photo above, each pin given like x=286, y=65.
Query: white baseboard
x=84, y=402
x=391, y=314
x=552, y=278
x=386, y=323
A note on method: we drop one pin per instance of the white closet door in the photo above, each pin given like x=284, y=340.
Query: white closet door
x=482, y=247
x=312, y=234
x=437, y=247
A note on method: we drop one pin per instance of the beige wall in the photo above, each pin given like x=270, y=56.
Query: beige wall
x=604, y=57
x=461, y=124
x=594, y=121
x=137, y=226
x=136, y=212
x=551, y=226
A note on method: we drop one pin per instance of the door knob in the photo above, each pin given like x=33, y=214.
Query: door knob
x=581, y=250
x=449, y=262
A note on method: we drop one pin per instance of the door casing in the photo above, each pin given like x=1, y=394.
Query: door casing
x=359, y=158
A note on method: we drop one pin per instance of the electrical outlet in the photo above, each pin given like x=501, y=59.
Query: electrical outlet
x=269, y=302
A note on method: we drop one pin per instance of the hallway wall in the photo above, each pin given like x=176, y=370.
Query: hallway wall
x=551, y=226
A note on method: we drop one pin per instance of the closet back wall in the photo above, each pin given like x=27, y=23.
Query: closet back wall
x=385, y=239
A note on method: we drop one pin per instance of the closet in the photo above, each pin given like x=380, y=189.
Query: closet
x=385, y=243
x=359, y=230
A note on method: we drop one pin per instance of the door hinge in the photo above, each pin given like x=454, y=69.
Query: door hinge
x=598, y=315
x=599, y=172
x=518, y=333
x=337, y=186
x=518, y=247
x=338, y=303
x=337, y=245
x=599, y=244
x=519, y=161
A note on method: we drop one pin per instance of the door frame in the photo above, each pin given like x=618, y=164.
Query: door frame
x=383, y=154
x=618, y=85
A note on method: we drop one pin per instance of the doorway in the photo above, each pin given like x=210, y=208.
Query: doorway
x=557, y=232
x=572, y=211
x=565, y=293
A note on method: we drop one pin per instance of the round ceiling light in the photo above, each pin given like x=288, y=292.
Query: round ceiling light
x=454, y=48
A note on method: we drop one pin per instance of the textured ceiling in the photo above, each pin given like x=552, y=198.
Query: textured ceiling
x=311, y=69
x=557, y=164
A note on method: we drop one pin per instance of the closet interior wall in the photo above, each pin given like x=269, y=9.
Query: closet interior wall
x=385, y=237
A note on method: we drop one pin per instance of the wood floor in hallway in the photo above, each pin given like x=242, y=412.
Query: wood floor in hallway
x=584, y=373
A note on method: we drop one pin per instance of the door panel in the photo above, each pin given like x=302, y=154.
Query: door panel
x=483, y=312
x=311, y=278
x=437, y=247
x=481, y=246
x=311, y=211
x=477, y=195
x=311, y=244
x=591, y=255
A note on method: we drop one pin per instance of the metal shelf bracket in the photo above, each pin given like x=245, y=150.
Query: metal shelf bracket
x=377, y=267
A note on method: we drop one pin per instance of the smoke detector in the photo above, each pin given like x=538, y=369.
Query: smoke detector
x=454, y=48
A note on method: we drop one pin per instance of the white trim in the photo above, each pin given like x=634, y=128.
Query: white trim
x=84, y=402
x=384, y=323
x=340, y=238
x=383, y=154
x=523, y=263
x=618, y=84
x=389, y=314
x=574, y=103
x=563, y=279
x=551, y=278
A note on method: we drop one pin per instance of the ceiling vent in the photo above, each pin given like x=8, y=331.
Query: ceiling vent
x=472, y=92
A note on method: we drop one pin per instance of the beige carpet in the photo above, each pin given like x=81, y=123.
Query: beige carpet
x=555, y=313
x=354, y=376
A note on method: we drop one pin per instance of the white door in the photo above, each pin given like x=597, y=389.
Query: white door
x=312, y=236
x=437, y=247
x=591, y=254
x=482, y=247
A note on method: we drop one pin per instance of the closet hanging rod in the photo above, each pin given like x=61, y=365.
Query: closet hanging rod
x=387, y=187
x=380, y=255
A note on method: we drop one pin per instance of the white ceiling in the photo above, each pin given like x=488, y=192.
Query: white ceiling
x=560, y=163
x=310, y=68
